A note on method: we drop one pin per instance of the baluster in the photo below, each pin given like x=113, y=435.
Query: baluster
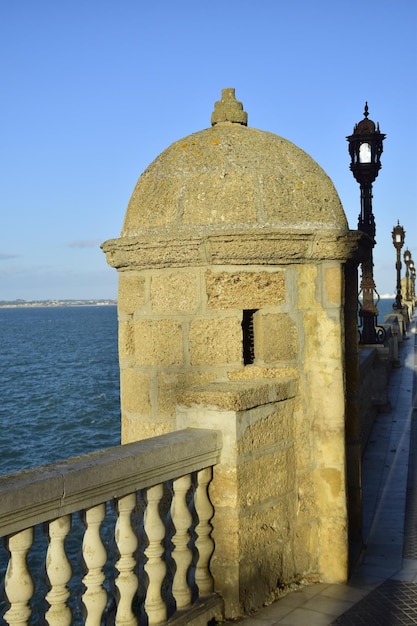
x=155, y=567
x=58, y=569
x=127, y=542
x=95, y=556
x=204, y=543
x=19, y=585
x=182, y=554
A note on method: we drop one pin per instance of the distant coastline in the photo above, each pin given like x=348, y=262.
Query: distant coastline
x=19, y=303
x=14, y=304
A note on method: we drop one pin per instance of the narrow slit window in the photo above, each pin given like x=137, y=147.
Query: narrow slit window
x=248, y=336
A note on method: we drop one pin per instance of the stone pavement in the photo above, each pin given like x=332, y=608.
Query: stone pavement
x=383, y=588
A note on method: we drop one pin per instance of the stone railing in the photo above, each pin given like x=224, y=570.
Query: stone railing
x=375, y=365
x=119, y=536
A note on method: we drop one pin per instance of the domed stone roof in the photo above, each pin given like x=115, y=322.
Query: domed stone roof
x=232, y=178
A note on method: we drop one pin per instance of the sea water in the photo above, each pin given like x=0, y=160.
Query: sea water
x=59, y=377
x=385, y=306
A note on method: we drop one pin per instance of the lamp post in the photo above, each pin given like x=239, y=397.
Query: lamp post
x=398, y=236
x=413, y=280
x=365, y=149
x=407, y=261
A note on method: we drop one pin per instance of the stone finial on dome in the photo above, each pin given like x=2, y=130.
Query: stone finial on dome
x=228, y=109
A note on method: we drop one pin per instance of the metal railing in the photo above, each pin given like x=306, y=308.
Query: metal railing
x=119, y=536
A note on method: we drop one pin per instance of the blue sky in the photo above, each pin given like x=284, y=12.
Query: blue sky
x=93, y=90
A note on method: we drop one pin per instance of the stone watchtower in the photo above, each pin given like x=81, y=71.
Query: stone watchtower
x=231, y=266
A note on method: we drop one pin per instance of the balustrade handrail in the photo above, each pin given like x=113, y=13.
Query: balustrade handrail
x=158, y=490
x=36, y=495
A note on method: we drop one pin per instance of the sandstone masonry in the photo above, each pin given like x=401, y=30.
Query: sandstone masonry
x=232, y=284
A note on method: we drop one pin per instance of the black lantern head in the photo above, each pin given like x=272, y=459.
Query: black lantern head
x=365, y=149
x=398, y=236
x=407, y=257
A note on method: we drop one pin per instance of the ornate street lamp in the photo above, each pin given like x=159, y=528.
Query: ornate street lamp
x=413, y=280
x=398, y=236
x=407, y=261
x=365, y=149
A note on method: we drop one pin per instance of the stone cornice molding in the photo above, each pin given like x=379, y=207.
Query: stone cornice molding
x=278, y=248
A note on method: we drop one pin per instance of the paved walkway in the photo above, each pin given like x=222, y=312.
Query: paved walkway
x=383, y=588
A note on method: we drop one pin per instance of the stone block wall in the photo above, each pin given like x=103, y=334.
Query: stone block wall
x=320, y=423
x=254, y=491
x=183, y=330
x=183, y=327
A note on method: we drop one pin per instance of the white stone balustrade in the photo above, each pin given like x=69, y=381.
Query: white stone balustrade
x=50, y=495
x=18, y=581
x=182, y=519
x=204, y=542
x=155, y=566
x=58, y=569
x=126, y=581
x=95, y=557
